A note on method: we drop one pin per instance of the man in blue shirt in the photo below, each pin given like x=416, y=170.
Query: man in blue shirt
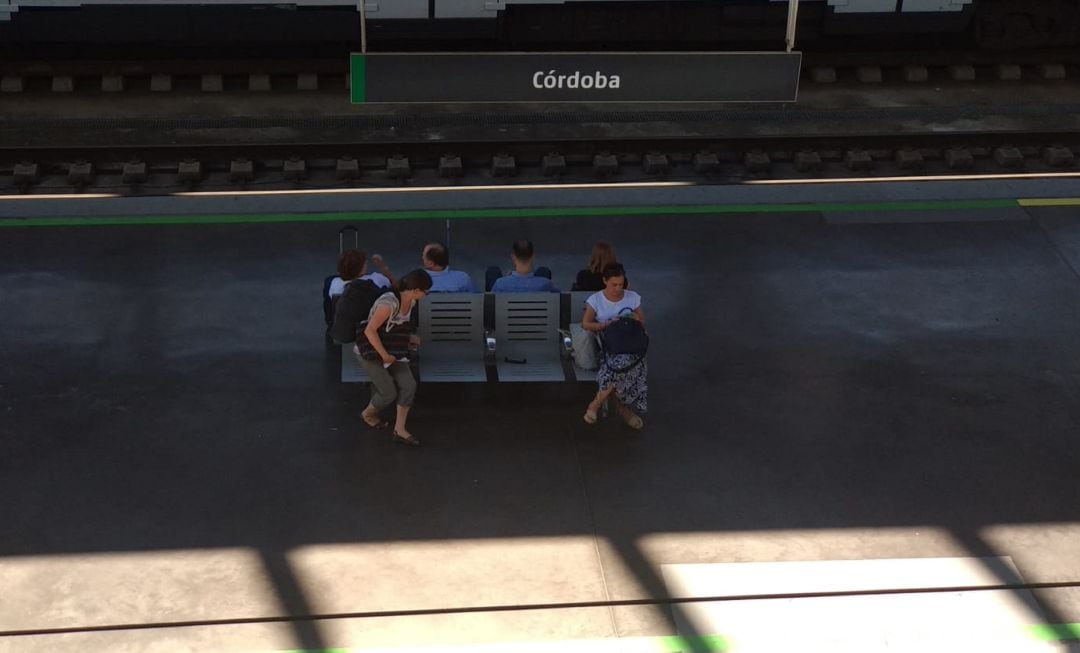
x=522, y=278
x=436, y=261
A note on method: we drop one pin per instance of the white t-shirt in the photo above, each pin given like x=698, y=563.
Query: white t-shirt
x=337, y=286
x=609, y=310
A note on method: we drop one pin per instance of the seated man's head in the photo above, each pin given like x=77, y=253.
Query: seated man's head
x=435, y=256
x=522, y=254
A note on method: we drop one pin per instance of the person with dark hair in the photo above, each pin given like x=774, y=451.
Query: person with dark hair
x=591, y=278
x=621, y=376
x=435, y=258
x=522, y=278
x=391, y=377
x=353, y=265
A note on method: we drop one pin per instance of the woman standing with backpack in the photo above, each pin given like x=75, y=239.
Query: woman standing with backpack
x=382, y=349
x=616, y=312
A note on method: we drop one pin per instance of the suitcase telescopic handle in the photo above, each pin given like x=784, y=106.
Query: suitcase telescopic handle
x=341, y=238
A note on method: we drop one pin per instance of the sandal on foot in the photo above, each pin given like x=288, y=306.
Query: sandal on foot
x=401, y=439
x=378, y=426
x=590, y=414
x=378, y=423
x=632, y=420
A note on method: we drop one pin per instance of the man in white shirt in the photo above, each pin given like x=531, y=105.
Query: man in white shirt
x=436, y=261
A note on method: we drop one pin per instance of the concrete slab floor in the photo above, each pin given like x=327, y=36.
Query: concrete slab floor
x=176, y=445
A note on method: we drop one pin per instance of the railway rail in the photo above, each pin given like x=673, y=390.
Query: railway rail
x=315, y=143
x=165, y=169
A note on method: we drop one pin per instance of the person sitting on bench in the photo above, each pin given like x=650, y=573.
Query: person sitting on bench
x=522, y=278
x=436, y=261
x=353, y=265
x=592, y=278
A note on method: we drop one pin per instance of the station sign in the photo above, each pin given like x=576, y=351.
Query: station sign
x=576, y=77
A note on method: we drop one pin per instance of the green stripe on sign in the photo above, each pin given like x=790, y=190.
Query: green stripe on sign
x=358, y=78
x=1055, y=632
x=477, y=214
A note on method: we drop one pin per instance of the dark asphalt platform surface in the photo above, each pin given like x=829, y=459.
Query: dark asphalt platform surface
x=817, y=391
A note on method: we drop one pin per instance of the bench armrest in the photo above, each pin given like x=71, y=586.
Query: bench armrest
x=567, y=343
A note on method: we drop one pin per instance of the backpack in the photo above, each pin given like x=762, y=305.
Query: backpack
x=328, y=304
x=352, y=308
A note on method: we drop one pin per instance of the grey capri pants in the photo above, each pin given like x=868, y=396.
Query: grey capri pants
x=389, y=383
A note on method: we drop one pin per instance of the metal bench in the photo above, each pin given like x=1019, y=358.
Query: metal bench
x=455, y=348
x=452, y=339
x=351, y=372
x=528, y=345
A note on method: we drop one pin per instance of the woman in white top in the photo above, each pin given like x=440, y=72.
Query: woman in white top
x=621, y=375
x=353, y=265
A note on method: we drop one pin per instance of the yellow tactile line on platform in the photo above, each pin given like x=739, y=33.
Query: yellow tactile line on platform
x=1057, y=201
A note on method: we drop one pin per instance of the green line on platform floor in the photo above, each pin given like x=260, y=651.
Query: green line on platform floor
x=703, y=644
x=700, y=644
x=1055, y=632
x=477, y=214
x=664, y=644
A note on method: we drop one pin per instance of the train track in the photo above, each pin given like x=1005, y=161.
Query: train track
x=166, y=169
x=280, y=149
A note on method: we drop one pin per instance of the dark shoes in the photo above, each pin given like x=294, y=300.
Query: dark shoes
x=401, y=439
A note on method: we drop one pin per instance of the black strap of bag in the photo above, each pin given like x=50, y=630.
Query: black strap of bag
x=627, y=368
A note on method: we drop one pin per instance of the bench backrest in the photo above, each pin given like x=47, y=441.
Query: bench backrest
x=452, y=317
x=577, y=304
x=527, y=317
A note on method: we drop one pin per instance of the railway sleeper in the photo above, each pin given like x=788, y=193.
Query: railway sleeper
x=1058, y=156
x=189, y=172
x=315, y=172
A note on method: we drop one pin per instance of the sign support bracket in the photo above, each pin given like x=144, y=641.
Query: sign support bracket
x=792, y=19
x=363, y=27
